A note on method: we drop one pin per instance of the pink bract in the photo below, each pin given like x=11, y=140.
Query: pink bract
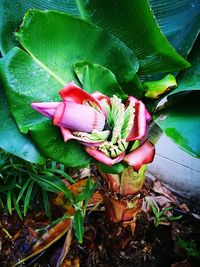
x=142, y=155
x=80, y=113
x=73, y=112
x=142, y=116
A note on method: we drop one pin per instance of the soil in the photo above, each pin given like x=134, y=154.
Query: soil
x=170, y=244
x=150, y=247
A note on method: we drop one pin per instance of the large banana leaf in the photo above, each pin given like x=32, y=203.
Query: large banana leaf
x=90, y=75
x=189, y=80
x=49, y=64
x=11, y=140
x=13, y=11
x=52, y=146
x=179, y=21
x=181, y=120
x=131, y=21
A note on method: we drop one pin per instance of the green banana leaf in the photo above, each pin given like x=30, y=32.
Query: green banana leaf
x=90, y=75
x=11, y=140
x=52, y=146
x=12, y=13
x=131, y=21
x=180, y=120
x=189, y=80
x=179, y=21
x=49, y=64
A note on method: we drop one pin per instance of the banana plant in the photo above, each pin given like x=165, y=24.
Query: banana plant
x=120, y=56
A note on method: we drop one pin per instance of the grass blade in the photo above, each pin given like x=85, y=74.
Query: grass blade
x=78, y=225
x=60, y=172
x=46, y=204
x=23, y=189
x=9, y=202
x=18, y=210
x=28, y=197
x=52, y=184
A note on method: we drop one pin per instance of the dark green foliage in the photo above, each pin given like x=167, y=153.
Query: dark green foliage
x=190, y=246
x=22, y=183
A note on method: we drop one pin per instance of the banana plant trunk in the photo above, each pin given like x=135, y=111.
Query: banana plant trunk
x=123, y=203
x=123, y=198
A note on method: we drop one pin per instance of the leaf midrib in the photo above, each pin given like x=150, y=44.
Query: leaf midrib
x=47, y=69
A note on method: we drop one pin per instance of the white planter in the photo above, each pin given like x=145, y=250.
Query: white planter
x=177, y=169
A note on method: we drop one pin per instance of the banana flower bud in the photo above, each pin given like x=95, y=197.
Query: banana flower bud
x=110, y=130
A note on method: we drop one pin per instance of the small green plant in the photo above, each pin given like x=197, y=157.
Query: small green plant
x=80, y=204
x=190, y=246
x=160, y=216
x=22, y=182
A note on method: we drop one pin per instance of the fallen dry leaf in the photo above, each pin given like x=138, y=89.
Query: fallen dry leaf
x=162, y=201
x=71, y=262
x=76, y=188
x=161, y=189
x=184, y=207
x=184, y=263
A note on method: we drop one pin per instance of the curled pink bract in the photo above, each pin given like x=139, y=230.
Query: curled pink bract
x=105, y=126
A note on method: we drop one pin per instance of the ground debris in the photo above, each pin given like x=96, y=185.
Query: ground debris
x=172, y=245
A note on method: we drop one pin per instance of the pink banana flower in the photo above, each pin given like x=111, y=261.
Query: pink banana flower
x=105, y=126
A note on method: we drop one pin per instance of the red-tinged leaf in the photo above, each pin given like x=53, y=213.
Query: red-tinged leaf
x=120, y=210
x=95, y=199
x=142, y=155
x=131, y=181
x=47, y=239
x=112, y=180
